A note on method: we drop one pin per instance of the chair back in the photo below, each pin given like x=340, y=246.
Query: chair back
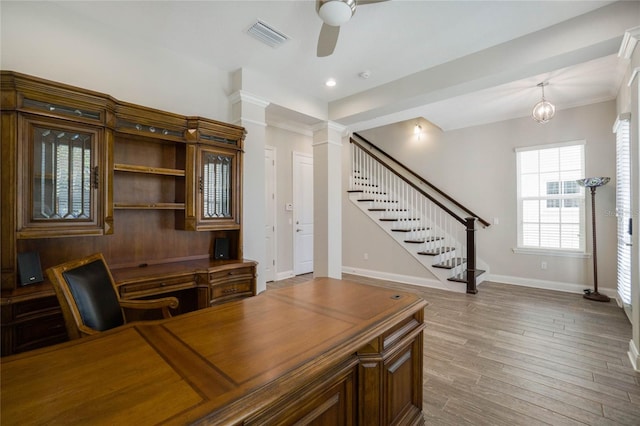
x=87, y=296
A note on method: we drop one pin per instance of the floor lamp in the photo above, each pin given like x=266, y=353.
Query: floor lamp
x=592, y=184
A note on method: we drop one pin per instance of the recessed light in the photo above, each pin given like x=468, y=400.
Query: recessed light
x=330, y=83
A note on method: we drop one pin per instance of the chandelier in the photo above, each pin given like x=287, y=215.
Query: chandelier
x=544, y=110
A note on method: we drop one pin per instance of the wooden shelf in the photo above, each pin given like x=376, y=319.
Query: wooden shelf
x=148, y=170
x=148, y=206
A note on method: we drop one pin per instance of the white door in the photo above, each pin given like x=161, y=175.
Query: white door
x=302, y=213
x=270, y=213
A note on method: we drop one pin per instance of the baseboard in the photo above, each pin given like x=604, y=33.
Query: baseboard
x=284, y=275
x=634, y=356
x=405, y=279
x=547, y=285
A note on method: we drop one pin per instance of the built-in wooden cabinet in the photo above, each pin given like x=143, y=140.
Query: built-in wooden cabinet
x=61, y=177
x=83, y=172
x=213, y=180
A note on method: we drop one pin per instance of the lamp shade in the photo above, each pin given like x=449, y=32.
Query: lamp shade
x=593, y=181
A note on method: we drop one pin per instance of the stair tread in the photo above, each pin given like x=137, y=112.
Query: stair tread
x=351, y=191
x=397, y=219
x=450, y=263
x=407, y=229
x=462, y=278
x=436, y=252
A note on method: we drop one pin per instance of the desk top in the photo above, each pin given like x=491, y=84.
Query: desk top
x=222, y=363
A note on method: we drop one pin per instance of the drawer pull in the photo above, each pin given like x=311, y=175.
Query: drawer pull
x=230, y=290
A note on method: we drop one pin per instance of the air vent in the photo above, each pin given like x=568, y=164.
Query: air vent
x=267, y=34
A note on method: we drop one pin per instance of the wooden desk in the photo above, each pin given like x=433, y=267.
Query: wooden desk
x=324, y=352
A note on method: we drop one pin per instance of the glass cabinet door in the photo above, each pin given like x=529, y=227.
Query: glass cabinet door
x=62, y=179
x=217, y=183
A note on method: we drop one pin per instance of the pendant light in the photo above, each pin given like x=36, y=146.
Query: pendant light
x=544, y=110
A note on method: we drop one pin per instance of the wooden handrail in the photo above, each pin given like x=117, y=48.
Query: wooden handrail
x=407, y=181
x=426, y=182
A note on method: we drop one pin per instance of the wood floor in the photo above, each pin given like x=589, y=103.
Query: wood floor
x=519, y=356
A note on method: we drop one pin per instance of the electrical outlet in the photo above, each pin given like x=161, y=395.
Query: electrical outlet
x=543, y=265
x=366, y=256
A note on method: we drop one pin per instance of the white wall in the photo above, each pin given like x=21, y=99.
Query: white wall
x=477, y=166
x=47, y=40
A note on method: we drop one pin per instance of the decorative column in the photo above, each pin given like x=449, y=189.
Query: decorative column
x=249, y=112
x=327, y=200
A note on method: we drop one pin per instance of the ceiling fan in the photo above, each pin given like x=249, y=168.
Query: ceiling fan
x=333, y=14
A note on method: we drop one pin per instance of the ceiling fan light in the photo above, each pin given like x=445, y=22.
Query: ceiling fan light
x=336, y=12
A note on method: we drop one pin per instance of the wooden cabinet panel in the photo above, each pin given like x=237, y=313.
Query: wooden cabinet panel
x=329, y=401
x=403, y=395
x=64, y=175
x=391, y=363
x=31, y=324
x=40, y=332
x=231, y=283
x=231, y=290
x=213, y=184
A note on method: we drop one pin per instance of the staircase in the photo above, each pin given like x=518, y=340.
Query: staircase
x=435, y=229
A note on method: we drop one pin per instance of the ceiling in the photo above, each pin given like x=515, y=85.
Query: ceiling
x=455, y=63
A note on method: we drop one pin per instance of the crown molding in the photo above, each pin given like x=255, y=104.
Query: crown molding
x=629, y=42
x=331, y=125
x=244, y=96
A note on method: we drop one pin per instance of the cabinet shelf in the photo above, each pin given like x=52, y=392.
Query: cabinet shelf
x=148, y=206
x=148, y=170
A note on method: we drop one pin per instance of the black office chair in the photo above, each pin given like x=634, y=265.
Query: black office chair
x=89, y=297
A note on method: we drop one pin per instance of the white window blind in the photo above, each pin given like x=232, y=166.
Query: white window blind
x=550, y=202
x=623, y=206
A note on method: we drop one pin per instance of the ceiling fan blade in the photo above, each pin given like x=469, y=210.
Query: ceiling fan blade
x=327, y=40
x=364, y=2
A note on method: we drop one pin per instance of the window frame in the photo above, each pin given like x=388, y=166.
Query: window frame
x=580, y=195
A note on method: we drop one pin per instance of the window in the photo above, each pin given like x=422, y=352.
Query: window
x=623, y=208
x=568, y=187
x=550, y=202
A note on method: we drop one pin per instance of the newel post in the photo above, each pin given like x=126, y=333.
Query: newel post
x=471, y=255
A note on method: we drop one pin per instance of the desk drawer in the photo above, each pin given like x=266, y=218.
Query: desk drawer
x=156, y=286
x=33, y=307
x=232, y=288
x=231, y=274
x=44, y=331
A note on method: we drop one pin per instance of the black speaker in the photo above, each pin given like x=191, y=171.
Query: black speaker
x=29, y=268
x=221, y=248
